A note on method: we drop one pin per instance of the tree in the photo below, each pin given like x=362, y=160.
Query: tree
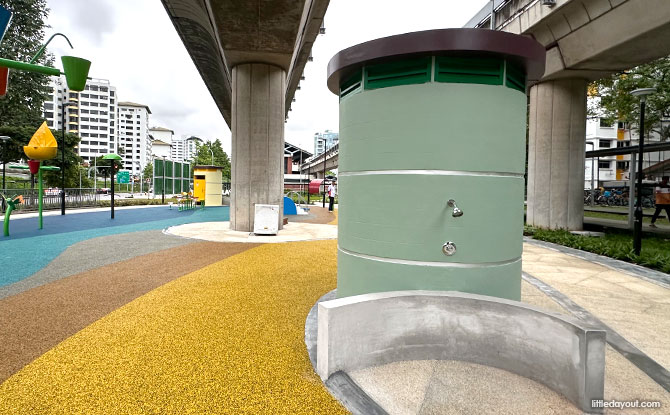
x=203, y=156
x=27, y=91
x=617, y=103
x=148, y=171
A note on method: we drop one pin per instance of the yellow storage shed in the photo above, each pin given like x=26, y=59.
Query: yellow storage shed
x=207, y=184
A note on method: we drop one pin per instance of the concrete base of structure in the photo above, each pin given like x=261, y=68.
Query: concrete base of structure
x=376, y=329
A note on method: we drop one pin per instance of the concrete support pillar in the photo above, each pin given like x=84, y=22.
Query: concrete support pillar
x=257, y=142
x=557, y=132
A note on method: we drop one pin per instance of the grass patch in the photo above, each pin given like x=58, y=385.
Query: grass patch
x=662, y=220
x=655, y=252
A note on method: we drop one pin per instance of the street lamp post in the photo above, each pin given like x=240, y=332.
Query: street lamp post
x=637, y=233
x=112, y=157
x=62, y=166
x=324, y=174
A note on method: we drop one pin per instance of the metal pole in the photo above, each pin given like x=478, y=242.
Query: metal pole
x=39, y=195
x=631, y=191
x=163, y=190
x=111, y=167
x=637, y=232
x=308, y=180
x=593, y=192
x=62, y=167
x=493, y=15
x=324, y=174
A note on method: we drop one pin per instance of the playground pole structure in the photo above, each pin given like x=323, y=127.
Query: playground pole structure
x=62, y=166
x=39, y=197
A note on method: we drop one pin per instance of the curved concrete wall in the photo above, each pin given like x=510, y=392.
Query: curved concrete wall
x=404, y=152
x=375, y=329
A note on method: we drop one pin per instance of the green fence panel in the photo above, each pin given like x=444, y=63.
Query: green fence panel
x=158, y=185
x=177, y=171
x=187, y=172
x=168, y=169
x=158, y=168
x=186, y=186
x=168, y=186
x=177, y=185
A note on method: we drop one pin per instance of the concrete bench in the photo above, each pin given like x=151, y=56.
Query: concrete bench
x=375, y=329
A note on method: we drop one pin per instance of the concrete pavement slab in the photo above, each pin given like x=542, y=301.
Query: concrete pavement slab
x=221, y=232
x=635, y=308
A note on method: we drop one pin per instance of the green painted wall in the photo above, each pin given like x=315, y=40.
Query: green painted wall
x=444, y=131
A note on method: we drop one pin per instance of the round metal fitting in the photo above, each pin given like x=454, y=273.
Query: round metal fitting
x=449, y=248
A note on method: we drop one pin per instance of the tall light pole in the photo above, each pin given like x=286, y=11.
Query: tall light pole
x=66, y=104
x=637, y=233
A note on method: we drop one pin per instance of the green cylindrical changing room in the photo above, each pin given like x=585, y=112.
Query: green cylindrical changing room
x=431, y=161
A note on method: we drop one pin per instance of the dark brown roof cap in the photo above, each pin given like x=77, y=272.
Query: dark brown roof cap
x=521, y=49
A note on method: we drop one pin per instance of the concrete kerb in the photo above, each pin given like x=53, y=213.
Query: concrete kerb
x=375, y=329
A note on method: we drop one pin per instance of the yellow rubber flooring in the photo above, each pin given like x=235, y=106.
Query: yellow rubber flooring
x=225, y=339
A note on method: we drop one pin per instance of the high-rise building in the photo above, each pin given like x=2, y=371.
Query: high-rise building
x=183, y=149
x=324, y=141
x=134, y=140
x=601, y=134
x=90, y=114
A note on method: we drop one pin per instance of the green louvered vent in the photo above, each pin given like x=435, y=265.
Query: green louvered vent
x=515, y=77
x=405, y=72
x=351, y=85
x=469, y=70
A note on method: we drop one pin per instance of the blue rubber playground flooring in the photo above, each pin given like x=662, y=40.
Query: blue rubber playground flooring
x=28, y=249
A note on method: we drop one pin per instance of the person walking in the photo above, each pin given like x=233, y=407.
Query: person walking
x=331, y=195
x=662, y=193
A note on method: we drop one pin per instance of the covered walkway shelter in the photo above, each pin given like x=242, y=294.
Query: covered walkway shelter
x=251, y=56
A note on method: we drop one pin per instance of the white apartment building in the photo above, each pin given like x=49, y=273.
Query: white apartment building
x=602, y=135
x=161, y=142
x=183, y=149
x=324, y=141
x=133, y=133
x=90, y=114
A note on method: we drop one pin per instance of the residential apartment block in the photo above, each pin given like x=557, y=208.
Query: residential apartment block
x=134, y=140
x=91, y=114
x=601, y=134
x=324, y=141
x=183, y=149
